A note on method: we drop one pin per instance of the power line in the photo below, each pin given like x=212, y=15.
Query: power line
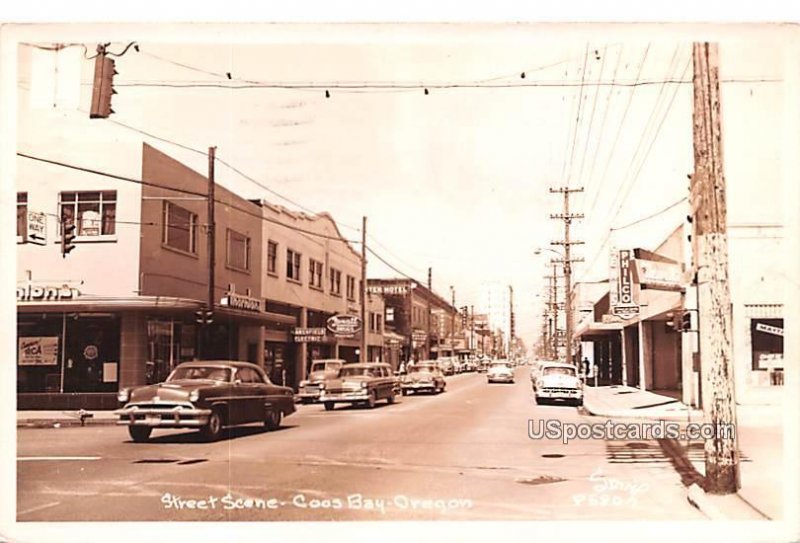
x=226, y=164
x=393, y=268
x=651, y=216
x=591, y=119
x=578, y=116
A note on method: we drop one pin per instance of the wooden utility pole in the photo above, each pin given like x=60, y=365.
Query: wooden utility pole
x=710, y=248
x=212, y=260
x=430, y=293
x=362, y=355
x=567, y=261
x=453, y=321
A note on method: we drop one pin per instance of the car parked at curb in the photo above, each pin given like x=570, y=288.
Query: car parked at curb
x=500, y=372
x=425, y=376
x=558, y=382
x=207, y=395
x=363, y=384
x=308, y=390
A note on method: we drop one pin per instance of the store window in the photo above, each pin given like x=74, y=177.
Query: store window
x=767, y=344
x=22, y=214
x=168, y=344
x=180, y=228
x=238, y=251
x=93, y=213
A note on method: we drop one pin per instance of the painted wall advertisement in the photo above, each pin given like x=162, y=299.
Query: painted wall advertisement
x=38, y=351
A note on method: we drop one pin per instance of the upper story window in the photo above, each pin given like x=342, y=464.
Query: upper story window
x=93, y=213
x=238, y=251
x=22, y=214
x=272, y=257
x=315, y=273
x=389, y=314
x=336, y=282
x=293, y=260
x=351, y=287
x=376, y=323
x=180, y=228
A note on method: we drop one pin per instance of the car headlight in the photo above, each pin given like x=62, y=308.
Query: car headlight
x=303, y=383
x=123, y=395
x=194, y=395
x=321, y=386
x=363, y=384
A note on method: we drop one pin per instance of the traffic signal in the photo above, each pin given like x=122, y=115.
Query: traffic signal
x=204, y=316
x=103, y=86
x=67, y=237
x=686, y=321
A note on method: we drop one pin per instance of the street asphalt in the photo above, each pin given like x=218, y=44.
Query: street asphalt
x=461, y=455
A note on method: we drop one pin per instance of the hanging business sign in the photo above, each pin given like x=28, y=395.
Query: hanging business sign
x=658, y=275
x=621, y=285
x=419, y=336
x=774, y=330
x=38, y=351
x=344, y=326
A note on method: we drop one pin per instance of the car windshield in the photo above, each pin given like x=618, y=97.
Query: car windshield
x=207, y=373
x=500, y=366
x=353, y=372
x=429, y=368
x=558, y=370
x=326, y=366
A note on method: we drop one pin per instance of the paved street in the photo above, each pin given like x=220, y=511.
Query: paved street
x=462, y=455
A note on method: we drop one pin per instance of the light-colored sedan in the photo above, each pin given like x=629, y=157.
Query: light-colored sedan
x=500, y=372
x=559, y=382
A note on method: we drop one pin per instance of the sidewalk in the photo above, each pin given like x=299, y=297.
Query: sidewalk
x=620, y=401
x=57, y=419
x=759, y=432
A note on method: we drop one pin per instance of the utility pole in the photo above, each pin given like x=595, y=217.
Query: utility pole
x=472, y=329
x=567, y=217
x=212, y=259
x=362, y=355
x=710, y=250
x=430, y=293
x=510, y=319
x=453, y=321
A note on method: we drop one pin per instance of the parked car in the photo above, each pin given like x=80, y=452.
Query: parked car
x=208, y=395
x=500, y=372
x=365, y=383
x=308, y=389
x=559, y=382
x=426, y=376
x=470, y=365
x=536, y=369
x=483, y=364
x=446, y=365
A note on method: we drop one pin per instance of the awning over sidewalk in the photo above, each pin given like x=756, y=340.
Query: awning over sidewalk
x=587, y=330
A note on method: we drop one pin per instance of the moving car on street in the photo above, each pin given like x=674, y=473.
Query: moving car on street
x=308, y=389
x=207, y=395
x=424, y=377
x=558, y=382
x=446, y=365
x=500, y=372
x=365, y=384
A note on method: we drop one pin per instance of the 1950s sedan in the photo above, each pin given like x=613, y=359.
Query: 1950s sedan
x=208, y=395
x=308, y=389
x=424, y=376
x=360, y=384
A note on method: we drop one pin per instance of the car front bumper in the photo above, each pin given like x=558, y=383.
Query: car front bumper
x=308, y=393
x=169, y=417
x=500, y=378
x=418, y=386
x=559, y=394
x=336, y=397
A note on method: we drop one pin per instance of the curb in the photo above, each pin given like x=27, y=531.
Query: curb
x=702, y=501
x=62, y=423
x=638, y=414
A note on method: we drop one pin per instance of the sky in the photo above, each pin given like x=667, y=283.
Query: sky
x=456, y=179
